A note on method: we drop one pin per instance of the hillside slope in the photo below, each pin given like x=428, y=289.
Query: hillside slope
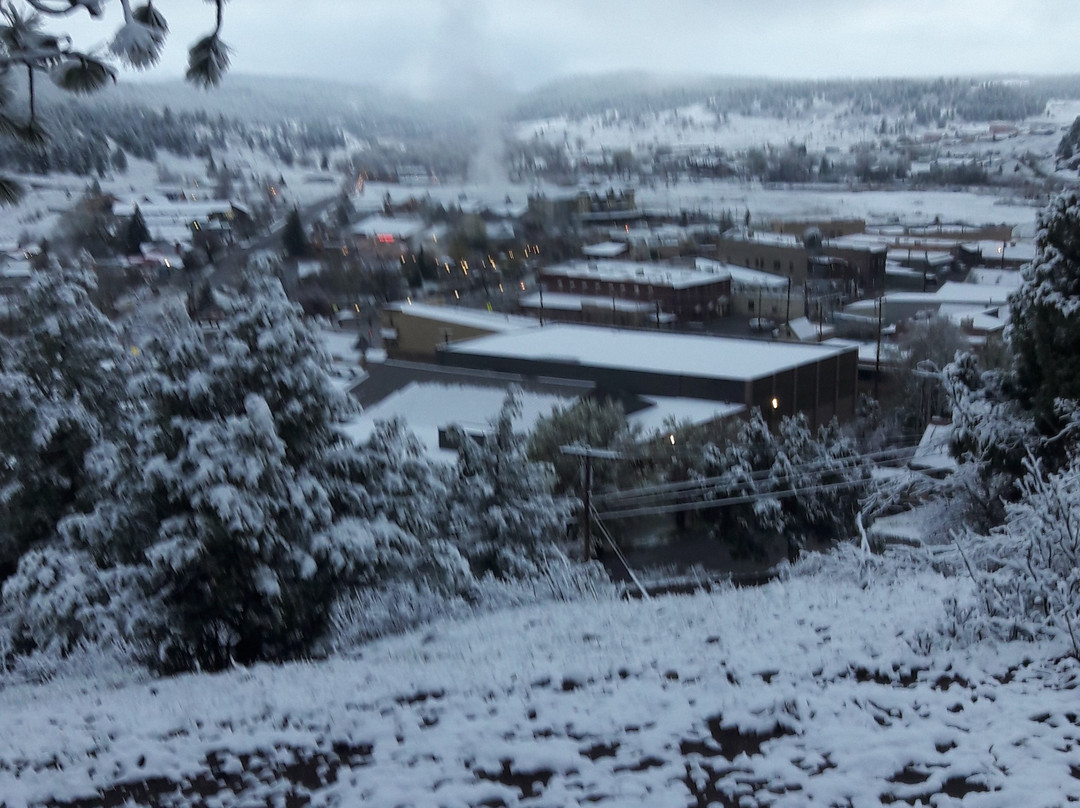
x=807, y=691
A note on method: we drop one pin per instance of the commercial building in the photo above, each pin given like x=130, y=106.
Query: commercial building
x=780, y=378
x=687, y=293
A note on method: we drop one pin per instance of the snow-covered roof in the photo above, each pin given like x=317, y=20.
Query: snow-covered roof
x=174, y=211
x=972, y=294
x=307, y=268
x=762, y=237
x=563, y=301
x=975, y=318
x=664, y=410
x=988, y=276
x=805, y=330
x=16, y=269
x=459, y=315
x=891, y=353
x=397, y=227
x=605, y=249
x=428, y=407
x=932, y=454
x=661, y=274
x=975, y=293
x=743, y=276
x=922, y=257
x=659, y=352
x=996, y=251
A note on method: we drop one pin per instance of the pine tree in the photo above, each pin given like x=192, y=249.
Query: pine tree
x=1046, y=318
x=601, y=424
x=136, y=233
x=293, y=238
x=500, y=510
x=61, y=407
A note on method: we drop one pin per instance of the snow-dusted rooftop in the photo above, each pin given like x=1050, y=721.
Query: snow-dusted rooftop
x=398, y=227
x=659, y=352
x=637, y=272
x=563, y=301
x=681, y=410
x=988, y=276
x=605, y=249
x=458, y=315
x=743, y=276
x=426, y=407
x=997, y=251
x=763, y=237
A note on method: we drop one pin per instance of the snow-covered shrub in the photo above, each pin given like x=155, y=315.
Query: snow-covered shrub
x=402, y=604
x=1027, y=571
x=59, y=600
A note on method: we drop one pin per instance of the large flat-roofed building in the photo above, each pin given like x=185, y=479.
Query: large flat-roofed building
x=688, y=293
x=780, y=378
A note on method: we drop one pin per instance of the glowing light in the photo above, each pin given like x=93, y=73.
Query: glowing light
x=671, y=438
x=775, y=403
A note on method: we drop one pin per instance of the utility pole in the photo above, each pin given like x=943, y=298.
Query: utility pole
x=587, y=453
x=877, y=360
x=788, y=315
x=586, y=507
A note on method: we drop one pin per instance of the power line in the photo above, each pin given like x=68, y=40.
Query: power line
x=725, y=482
x=725, y=501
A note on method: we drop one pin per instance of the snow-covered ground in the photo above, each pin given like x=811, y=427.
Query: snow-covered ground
x=811, y=691
x=49, y=197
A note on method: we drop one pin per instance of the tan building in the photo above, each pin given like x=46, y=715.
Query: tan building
x=416, y=330
x=861, y=267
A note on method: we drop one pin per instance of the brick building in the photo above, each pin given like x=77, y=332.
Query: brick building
x=687, y=293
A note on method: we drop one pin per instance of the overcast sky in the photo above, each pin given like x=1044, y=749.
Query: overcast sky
x=431, y=46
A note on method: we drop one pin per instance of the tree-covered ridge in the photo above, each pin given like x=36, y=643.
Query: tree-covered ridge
x=925, y=100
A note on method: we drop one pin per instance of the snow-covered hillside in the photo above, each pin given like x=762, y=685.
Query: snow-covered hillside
x=818, y=690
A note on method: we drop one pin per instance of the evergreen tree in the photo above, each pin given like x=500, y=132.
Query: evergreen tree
x=601, y=424
x=136, y=233
x=1046, y=320
x=61, y=409
x=119, y=160
x=500, y=510
x=293, y=238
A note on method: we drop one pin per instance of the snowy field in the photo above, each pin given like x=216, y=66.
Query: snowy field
x=764, y=203
x=823, y=127
x=811, y=691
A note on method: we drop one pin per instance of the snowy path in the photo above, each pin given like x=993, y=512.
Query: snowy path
x=798, y=693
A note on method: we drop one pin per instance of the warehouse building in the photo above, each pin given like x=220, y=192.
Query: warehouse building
x=780, y=378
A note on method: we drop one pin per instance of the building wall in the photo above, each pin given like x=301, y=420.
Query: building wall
x=418, y=337
x=596, y=315
x=771, y=303
x=780, y=259
x=830, y=228
x=689, y=303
